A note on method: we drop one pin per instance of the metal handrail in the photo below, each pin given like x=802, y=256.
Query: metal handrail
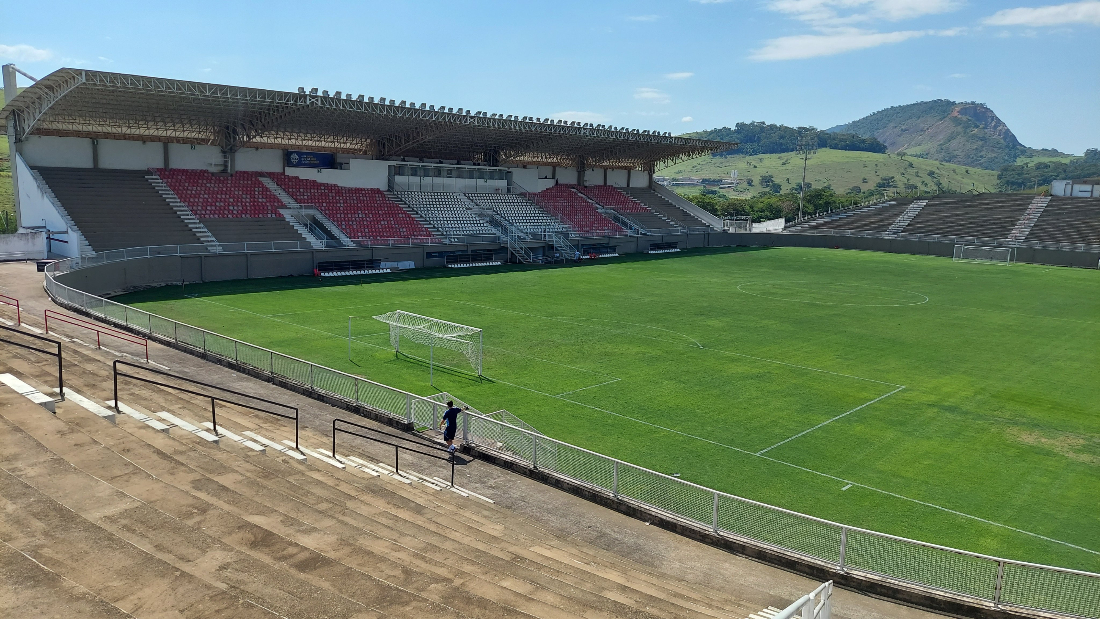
x=213, y=398
x=396, y=448
x=6, y=300
x=60, y=370
x=115, y=333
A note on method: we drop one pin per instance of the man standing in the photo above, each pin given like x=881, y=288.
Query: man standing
x=450, y=420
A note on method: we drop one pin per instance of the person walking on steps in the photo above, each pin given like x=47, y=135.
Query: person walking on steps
x=450, y=420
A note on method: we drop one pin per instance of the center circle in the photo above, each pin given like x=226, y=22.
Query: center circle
x=833, y=293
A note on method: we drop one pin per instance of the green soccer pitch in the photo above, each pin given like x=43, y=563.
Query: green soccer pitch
x=954, y=403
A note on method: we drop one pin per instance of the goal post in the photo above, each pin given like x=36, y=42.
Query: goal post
x=433, y=332
x=977, y=253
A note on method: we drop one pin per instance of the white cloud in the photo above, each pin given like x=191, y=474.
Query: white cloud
x=823, y=13
x=682, y=75
x=651, y=94
x=837, y=42
x=686, y=119
x=24, y=53
x=581, y=117
x=1054, y=15
x=644, y=17
x=958, y=76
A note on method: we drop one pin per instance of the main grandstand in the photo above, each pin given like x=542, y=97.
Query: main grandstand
x=109, y=161
x=128, y=502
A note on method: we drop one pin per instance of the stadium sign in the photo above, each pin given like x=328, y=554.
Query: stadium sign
x=306, y=159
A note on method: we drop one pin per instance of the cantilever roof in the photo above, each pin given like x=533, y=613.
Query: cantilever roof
x=98, y=104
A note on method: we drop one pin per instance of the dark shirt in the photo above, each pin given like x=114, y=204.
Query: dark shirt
x=451, y=417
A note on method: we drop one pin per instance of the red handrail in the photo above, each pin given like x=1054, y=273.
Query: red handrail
x=6, y=300
x=99, y=329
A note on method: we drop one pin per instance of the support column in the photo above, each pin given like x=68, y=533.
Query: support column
x=166, y=162
x=581, y=163
x=95, y=153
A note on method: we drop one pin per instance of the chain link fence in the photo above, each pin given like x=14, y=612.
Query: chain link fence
x=981, y=579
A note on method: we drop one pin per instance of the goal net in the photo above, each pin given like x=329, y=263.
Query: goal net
x=975, y=253
x=434, y=333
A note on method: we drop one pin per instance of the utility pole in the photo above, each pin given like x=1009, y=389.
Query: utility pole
x=807, y=145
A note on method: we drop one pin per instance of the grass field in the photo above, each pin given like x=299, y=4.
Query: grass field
x=838, y=168
x=950, y=402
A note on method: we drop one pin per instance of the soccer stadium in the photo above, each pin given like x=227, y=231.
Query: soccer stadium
x=259, y=317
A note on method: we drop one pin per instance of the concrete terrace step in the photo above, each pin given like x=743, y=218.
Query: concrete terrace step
x=405, y=528
x=195, y=535
x=398, y=564
x=311, y=501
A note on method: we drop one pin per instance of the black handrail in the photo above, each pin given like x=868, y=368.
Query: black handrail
x=213, y=398
x=396, y=448
x=60, y=372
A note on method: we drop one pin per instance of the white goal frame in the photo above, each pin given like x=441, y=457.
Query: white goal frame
x=434, y=332
x=979, y=253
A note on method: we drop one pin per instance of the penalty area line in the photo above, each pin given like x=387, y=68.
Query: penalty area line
x=827, y=422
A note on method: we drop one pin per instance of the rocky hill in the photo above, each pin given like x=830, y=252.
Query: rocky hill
x=968, y=134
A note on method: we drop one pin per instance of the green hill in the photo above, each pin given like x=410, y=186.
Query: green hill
x=7, y=201
x=842, y=170
x=967, y=134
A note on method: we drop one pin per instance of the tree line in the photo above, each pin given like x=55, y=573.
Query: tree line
x=773, y=205
x=1032, y=175
x=760, y=138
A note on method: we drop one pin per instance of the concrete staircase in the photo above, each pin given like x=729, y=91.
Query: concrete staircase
x=1027, y=222
x=906, y=216
x=185, y=213
x=121, y=519
x=291, y=216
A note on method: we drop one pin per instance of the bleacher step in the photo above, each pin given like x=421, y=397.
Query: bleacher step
x=29, y=392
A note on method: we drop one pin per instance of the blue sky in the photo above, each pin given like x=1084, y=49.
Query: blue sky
x=669, y=65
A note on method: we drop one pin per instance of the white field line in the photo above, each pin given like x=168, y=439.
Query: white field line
x=614, y=380
x=825, y=423
x=723, y=445
x=814, y=472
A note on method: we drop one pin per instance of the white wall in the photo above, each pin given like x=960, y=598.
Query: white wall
x=360, y=173
x=48, y=151
x=545, y=171
x=130, y=155
x=567, y=176
x=594, y=176
x=200, y=157
x=259, y=160
x=23, y=246
x=527, y=178
x=616, y=178
x=543, y=183
x=639, y=178
x=34, y=207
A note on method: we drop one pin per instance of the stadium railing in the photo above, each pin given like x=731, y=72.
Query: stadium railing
x=974, y=578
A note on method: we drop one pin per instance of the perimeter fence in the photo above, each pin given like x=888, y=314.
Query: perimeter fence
x=973, y=578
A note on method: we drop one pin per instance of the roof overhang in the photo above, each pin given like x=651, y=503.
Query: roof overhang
x=104, y=105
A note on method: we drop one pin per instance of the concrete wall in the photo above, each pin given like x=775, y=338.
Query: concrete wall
x=195, y=157
x=23, y=246
x=595, y=176
x=567, y=175
x=528, y=178
x=639, y=178
x=36, y=209
x=130, y=155
x=259, y=160
x=616, y=178
x=48, y=151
